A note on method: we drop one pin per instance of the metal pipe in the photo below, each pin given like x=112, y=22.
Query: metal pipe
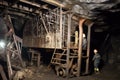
x=88, y=47
x=81, y=21
x=61, y=19
x=68, y=42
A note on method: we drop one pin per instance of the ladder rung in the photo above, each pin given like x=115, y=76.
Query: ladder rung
x=55, y=63
x=62, y=65
x=84, y=56
x=59, y=53
x=64, y=48
x=58, y=59
x=34, y=59
x=73, y=54
x=73, y=57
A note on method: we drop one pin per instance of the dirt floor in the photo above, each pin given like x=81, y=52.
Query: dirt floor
x=43, y=73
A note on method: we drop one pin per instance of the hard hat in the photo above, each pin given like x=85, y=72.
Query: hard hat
x=95, y=50
x=83, y=35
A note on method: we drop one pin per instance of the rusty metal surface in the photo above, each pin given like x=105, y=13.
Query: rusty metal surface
x=48, y=30
x=80, y=45
x=58, y=31
x=68, y=42
x=88, y=46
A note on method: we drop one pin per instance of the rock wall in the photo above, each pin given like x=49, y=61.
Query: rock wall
x=111, y=50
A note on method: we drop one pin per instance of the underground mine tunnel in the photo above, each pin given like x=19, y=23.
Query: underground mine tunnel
x=59, y=39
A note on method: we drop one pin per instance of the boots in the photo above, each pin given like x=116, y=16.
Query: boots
x=96, y=70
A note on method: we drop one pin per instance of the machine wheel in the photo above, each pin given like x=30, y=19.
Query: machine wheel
x=60, y=71
x=73, y=70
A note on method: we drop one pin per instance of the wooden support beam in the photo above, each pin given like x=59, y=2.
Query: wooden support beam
x=2, y=73
x=31, y=3
x=21, y=8
x=44, y=23
x=10, y=71
x=17, y=41
x=54, y=2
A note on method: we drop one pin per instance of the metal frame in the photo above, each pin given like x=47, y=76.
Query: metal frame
x=59, y=26
x=51, y=27
x=13, y=48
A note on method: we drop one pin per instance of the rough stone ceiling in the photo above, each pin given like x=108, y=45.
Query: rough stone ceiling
x=100, y=11
x=84, y=8
x=87, y=8
x=105, y=13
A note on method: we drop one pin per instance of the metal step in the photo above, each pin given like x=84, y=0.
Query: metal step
x=60, y=64
x=60, y=54
x=73, y=56
x=58, y=59
x=84, y=56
